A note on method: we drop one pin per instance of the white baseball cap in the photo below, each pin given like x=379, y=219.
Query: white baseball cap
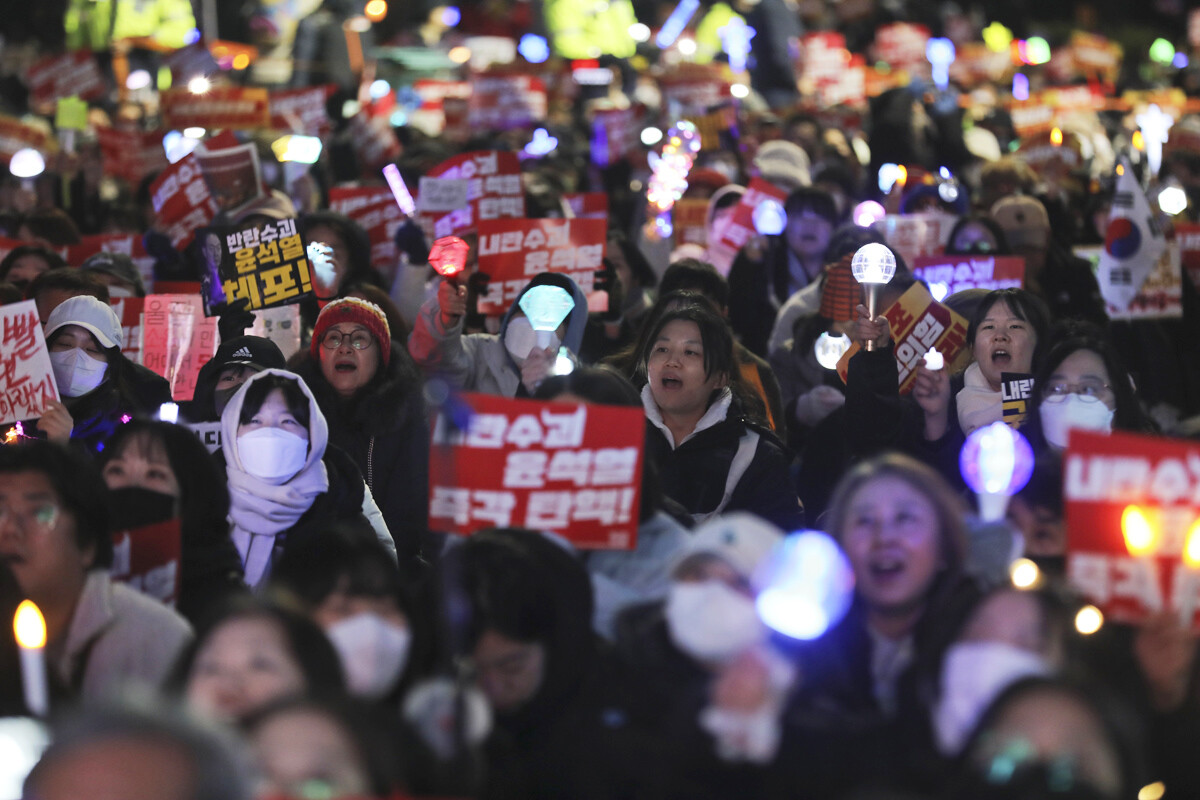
x=96, y=316
x=740, y=539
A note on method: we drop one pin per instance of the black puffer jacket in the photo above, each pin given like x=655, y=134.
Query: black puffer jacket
x=695, y=473
x=384, y=429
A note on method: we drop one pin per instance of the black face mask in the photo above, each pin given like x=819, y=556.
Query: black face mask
x=221, y=397
x=135, y=507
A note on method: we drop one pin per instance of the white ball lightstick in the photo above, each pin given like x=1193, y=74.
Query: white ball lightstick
x=873, y=266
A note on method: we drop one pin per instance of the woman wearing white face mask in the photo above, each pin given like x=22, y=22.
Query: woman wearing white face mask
x=98, y=384
x=1082, y=385
x=679, y=647
x=351, y=588
x=286, y=482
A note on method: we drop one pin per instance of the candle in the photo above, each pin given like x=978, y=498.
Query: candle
x=934, y=360
x=30, y=628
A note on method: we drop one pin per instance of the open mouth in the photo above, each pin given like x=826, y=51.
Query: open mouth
x=345, y=367
x=671, y=382
x=1001, y=358
x=886, y=568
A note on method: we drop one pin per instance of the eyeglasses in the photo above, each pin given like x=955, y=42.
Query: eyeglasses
x=359, y=340
x=1088, y=390
x=41, y=517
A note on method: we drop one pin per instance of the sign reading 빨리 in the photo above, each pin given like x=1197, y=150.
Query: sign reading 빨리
x=26, y=378
x=511, y=251
x=573, y=470
x=1132, y=506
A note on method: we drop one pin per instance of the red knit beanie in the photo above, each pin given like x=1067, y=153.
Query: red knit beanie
x=356, y=312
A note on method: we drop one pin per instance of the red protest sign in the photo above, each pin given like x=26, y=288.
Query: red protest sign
x=375, y=209
x=1103, y=476
x=177, y=340
x=615, y=133
x=182, y=201
x=1188, y=237
x=131, y=155
x=430, y=117
x=26, y=379
x=129, y=310
x=822, y=56
x=16, y=135
x=502, y=102
x=511, y=251
x=694, y=88
x=67, y=75
x=147, y=559
x=493, y=192
x=902, y=46
x=948, y=274
x=230, y=107
x=301, y=110
x=572, y=470
x=919, y=323
x=587, y=204
x=741, y=225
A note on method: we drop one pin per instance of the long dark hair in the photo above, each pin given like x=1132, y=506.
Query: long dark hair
x=203, y=492
x=628, y=360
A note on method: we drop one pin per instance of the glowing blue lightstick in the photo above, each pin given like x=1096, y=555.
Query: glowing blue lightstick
x=546, y=307
x=735, y=39
x=996, y=462
x=809, y=586
x=675, y=23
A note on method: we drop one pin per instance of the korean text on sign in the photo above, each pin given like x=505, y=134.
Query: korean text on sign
x=919, y=323
x=1126, y=482
x=181, y=200
x=512, y=251
x=493, y=192
x=266, y=265
x=26, y=378
x=573, y=470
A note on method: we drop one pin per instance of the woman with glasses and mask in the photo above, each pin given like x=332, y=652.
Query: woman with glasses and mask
x=370, y=392
x=1082, y=384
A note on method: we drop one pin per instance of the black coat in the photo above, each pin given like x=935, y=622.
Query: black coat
x=756, y=291
x=384, y=429
x=130, y=390
x=694, y=474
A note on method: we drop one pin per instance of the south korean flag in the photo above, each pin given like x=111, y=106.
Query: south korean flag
x=1133, y=242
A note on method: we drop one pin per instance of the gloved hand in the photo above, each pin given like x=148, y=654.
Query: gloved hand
x=234, y=319
x=818, y=403
x=410, y=240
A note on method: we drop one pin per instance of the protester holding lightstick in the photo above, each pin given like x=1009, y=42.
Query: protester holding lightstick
x=511, y=363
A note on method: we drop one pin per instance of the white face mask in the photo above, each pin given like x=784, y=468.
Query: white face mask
x=76, y=373
x=710, y=621
x=119, y=292
x=1073, y=412
x=272, y=454
x=373, y=652
x=973, y=675
x=520, y=338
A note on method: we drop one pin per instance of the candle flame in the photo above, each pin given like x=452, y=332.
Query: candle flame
x=1135, y=527
x=1139, y=140
x=1056, y=137
x=1191, y=550
x=29, y=626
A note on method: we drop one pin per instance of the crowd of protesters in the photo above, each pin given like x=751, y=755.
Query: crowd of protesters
x=327, y=641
